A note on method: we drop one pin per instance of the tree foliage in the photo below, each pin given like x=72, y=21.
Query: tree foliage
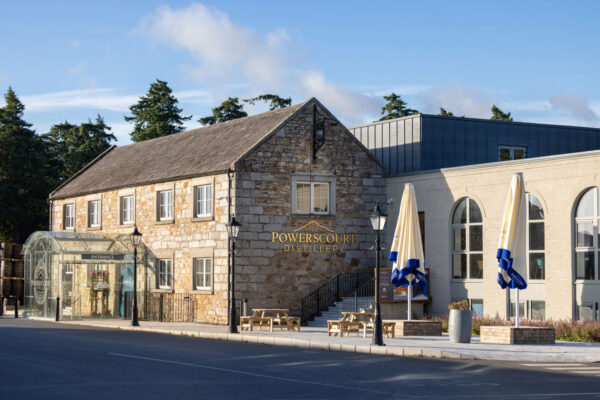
x=498, y=114
x=74, y=146
x=156, y=114
x=275, y=102
x=395, y=108
x=26, y=174
x=445, y=113
x=228, y=110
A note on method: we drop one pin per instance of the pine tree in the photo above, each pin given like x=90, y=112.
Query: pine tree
x=395, y=108
x=445, y=113
x=156, y=114
x=228, y=110
x=498, y=114
x=274, y=100
x=26, y=176
x=74, y=146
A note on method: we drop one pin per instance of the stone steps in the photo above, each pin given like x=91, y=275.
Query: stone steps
x=335, y=312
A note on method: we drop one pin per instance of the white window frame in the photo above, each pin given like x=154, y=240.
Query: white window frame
x=312, y=198
x=528, y=231
x=511, y=150
x=166, y=207
x=165, y=273
x=594, y=221
x=201, y=265
x=69, y=218
x=467, y=227
x=94, y=214
x=123, y=214
x=203, y=202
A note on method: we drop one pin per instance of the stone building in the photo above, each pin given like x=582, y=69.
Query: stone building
x=296, y=179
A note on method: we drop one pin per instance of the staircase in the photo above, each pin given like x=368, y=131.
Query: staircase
x=346, y=304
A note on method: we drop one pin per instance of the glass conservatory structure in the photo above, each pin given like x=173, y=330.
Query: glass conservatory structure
x=91, y=274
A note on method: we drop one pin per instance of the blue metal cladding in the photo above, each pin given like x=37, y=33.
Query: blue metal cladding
x=423, y=142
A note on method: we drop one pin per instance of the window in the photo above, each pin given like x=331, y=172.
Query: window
x=165, y=205
x=586, y=237
x=127, y=210
x=586, y=312
x=69, y=216
x=535, y=238
x=94, y=213
x=202, y=201
x=467, y=241
x=165, y=274
x=477, y=307
x=506, y=153
x=312, y=197
x=202, y=273
x=538, y=309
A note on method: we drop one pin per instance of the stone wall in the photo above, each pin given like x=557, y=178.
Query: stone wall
x=273, y=270
x=181, y=239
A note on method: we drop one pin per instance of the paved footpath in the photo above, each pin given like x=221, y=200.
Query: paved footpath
x=412, y=346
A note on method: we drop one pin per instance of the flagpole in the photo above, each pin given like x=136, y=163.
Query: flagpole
x=410, y=289
x=517, y=311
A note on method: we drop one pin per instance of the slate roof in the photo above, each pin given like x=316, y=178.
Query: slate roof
x=197, y=152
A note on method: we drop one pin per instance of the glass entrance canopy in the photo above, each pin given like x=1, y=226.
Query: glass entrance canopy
x=91, y=273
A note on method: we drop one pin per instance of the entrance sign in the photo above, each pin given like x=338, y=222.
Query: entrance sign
x=313, y=238
x=104, y=257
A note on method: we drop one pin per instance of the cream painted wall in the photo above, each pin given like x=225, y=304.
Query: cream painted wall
x=557, y=181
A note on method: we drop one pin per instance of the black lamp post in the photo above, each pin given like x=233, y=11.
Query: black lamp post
x=136, y=237
x=233, y=229
x=378, y=221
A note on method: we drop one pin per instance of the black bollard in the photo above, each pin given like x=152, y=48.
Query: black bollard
x=57, y=308
x=1, y=306
x=16, y=307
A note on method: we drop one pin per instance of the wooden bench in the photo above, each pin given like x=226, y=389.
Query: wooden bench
x=248, y=323
x=268, y=318
x=388, y=328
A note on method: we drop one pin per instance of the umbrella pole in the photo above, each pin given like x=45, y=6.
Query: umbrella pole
x=517, y=311
x=409, y=314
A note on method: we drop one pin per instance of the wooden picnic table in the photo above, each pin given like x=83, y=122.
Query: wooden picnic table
x=352, y=322
x=268, y=317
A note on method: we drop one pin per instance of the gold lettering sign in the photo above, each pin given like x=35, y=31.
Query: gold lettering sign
x=313, y=238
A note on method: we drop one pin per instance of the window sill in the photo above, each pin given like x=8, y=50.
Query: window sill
x=203, y=291
x=93, y=228
x=164, y=222
x=203, y=219
x=587, y=281
x=127, y=223
x=458, y=280
x=162, y=290
x=326, y=216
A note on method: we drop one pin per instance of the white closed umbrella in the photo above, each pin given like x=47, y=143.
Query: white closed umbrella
x=407, y=249
x=512, y=221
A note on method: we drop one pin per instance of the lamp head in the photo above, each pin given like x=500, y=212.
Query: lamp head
x=136, y=236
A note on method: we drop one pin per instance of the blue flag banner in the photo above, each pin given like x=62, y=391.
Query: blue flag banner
x=506, y=271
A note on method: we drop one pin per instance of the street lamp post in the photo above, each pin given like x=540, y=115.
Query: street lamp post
x=378, y=221
x=233, y=229
x=136, y=237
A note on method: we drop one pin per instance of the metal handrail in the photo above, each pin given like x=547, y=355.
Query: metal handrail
x=320, y=299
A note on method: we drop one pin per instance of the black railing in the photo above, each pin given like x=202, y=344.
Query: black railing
x=363, y=298
x=343, y=285
x=164, y=307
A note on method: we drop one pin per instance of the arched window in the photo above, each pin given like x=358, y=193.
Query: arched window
x=535, y=238
x=586, y=241
x=467, y=241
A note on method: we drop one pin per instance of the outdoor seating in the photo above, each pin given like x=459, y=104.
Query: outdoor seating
x=267, y=318
x=351, y=322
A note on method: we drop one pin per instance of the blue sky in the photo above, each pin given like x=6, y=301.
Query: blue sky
x=73, y=60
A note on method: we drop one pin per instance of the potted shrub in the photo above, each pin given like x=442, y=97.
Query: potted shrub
x=460, y=322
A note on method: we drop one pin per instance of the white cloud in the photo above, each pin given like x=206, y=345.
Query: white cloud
x=576, y=105
x=353, y=107
x=461, y=100
x=222, y=48
x=99, y=99
x=234, y=60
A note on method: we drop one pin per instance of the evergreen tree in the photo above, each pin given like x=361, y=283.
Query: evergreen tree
x=445, y=113
x=228, y=110
x=395, y=108
x=156, y=114
x=26, y=177
x=500, y=115
x=274, y=100
x=74, y=146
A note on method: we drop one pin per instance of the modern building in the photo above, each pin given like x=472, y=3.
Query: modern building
x=461, y=169
x=296, y=179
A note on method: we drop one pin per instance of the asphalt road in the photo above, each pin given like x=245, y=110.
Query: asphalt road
x=44, y=360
